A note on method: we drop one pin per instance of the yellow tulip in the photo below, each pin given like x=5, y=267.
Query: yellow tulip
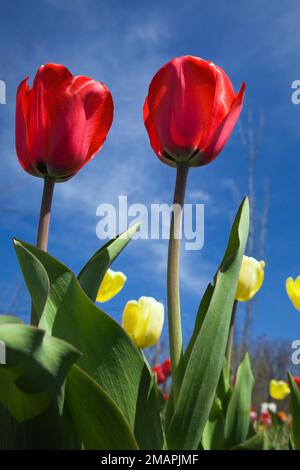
x=111, y=285
x=293, y=291
x=143, y=321
x=278, y=389
x=250, y=279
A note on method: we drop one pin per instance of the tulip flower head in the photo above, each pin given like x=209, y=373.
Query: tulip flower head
x=160, y=376
x=250, y=279
x=143, y=321
x=297, y=381
x=112, y=283
x=166, y=367
x=283, y=417
x=293, y=291
x=190, y=111
x=268, y=407
x=253, y=416
x=266, y=418
x=278, y=389
x=61, y=122
x=162, y=371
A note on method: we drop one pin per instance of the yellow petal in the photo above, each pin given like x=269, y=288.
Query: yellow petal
x=111, y=285
x=143, y=321
x=293, y=291
x=250, y=279
x=278, y=389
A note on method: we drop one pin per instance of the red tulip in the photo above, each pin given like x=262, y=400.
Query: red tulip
x=266, y=418
x=61, y=122
x=166, y=367
x=297, y=380
x=160, y=376
x=190, y=111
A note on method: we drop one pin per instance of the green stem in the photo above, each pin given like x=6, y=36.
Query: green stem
x=175, y=333
x=43, y=227
x=230, y=339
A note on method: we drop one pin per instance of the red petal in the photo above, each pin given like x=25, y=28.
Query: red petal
x=21, y=128
x=154, y=139
x=219, y=138
x=180, y=99
x=46, y=83
x=223, y=101
x=80, y=120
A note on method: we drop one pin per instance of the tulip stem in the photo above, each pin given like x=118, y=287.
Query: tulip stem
x=43, y=227
x=175, y=333
x=230, y=339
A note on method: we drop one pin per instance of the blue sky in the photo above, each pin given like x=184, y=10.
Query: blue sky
x=123, y=43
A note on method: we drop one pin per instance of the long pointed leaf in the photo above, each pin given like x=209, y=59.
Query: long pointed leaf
x=206, y=359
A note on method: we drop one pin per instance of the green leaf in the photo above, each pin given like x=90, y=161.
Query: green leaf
x=295, y=410
x=35, y=370
x=99, y=422
x=206, y=358
x=238, y=412
x=41, y=432
x=92, y=273
x=213, y=433
x=39, y=286
x=202, y=311
x=257, y=442
x=109, y=356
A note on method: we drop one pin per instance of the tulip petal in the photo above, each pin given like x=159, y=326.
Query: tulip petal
x=112, y=283
x=215, y=144
x=293, y=292
x=81, y=119
x=279, y=389
x=223, y=101
x=153, y=313
x=21, y=129
x=131, y=322
x=180, y=100
x=154, y=138
x=250, y=279
x=46, y=83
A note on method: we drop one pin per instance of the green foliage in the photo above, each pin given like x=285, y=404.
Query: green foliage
x=109, y=399
x=206, y=357
x=238, y=411
x=108, y=354
x=93, y=272
x=98, y=420
x=36, y=368
x=295, y=409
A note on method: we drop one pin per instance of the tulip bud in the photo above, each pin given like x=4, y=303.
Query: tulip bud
x=111, y=285
x=297, y=381
x=190, y=111
x=266, y=418
x=268, y=407
x=143, y=321
x=293, y=291
x=278, y=389
x=160, y=376
x=166, y=367
x=250, y=279
x=61, y=122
